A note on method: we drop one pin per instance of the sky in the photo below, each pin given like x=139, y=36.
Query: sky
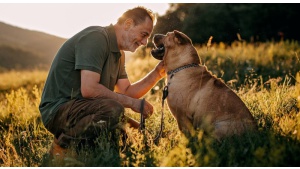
x=66, y=19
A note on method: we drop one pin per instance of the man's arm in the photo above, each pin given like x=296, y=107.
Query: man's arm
x=141, y=87
x=90, y=88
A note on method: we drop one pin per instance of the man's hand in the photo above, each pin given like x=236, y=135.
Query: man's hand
x=147, y=110
x=161, y=69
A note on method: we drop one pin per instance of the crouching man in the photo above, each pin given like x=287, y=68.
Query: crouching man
x=87, y=87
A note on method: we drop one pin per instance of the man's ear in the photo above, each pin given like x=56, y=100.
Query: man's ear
x=181, y=38
x=128, y=23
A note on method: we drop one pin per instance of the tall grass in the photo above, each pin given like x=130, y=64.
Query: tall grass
x=25, y=142
x=243, y=61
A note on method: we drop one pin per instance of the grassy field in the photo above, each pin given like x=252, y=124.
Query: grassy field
x=264, y=75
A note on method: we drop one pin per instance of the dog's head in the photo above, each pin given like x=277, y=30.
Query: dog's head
x=174, y=44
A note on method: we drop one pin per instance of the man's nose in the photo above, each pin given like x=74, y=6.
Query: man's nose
x=144, y=41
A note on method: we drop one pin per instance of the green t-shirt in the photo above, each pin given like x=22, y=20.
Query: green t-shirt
x=94, y=48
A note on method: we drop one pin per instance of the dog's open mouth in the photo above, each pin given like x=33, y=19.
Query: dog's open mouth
x=159, y=50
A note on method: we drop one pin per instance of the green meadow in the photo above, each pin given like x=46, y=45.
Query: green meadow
x=266, y=76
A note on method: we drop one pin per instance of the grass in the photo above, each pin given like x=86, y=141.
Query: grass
x=24, y=141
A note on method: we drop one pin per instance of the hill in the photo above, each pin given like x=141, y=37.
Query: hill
x=26, y=49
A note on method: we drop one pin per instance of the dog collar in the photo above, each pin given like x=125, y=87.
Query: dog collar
x=172, y=72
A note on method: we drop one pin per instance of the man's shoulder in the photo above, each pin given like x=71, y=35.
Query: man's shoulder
x=94, y=30
x=92, y=34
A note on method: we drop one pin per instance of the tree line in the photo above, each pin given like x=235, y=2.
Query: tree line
x=228, y=22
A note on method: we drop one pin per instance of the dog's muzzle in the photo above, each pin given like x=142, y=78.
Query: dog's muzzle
x=159, y=51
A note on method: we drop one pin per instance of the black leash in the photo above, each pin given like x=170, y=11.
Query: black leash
x=142, y=120
x=142, y=123
x=165, y=95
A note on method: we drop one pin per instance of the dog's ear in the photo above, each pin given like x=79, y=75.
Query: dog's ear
x=182, y=38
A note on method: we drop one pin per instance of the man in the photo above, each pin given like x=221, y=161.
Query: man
x=87, y=85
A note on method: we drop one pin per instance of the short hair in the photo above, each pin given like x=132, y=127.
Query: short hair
x=138, y=15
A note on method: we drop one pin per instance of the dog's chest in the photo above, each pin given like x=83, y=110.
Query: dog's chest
x=179, y=90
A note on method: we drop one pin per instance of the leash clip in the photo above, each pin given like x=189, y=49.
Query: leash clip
x=165, y=93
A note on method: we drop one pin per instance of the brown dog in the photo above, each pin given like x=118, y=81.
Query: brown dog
x=196, y=98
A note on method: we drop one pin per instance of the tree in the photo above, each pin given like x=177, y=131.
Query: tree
x=223, y=21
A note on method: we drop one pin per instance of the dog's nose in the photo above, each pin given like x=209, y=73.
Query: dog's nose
x=157, y=38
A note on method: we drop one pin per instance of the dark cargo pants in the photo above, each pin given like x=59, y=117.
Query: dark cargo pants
x=81, y=119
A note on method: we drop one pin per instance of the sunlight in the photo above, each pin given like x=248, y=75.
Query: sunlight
x=66, y=19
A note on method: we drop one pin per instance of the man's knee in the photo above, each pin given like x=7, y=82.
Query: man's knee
x=112, y=112
x=117, y=108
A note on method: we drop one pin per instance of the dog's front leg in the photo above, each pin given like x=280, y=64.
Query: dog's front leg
x=185, y=125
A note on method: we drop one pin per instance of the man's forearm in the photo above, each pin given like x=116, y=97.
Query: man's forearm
x=101, y=91
x=141, y=87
